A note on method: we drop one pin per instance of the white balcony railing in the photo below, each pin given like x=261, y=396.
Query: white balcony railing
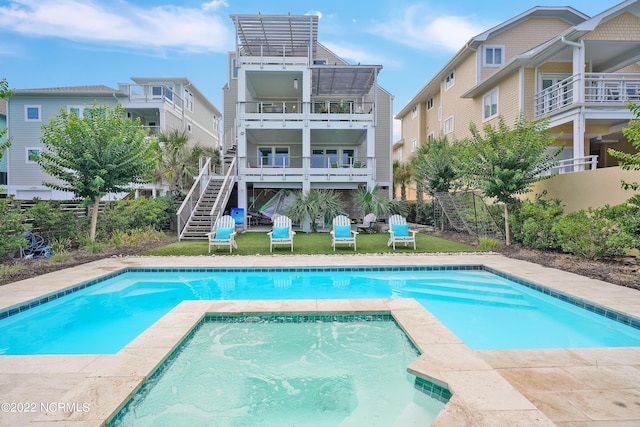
x=577, y=164
x=600, y=89
x=152, y=93
x=298, y=167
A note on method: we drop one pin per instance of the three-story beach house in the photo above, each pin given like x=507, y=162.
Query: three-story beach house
x=548, y=62
x=298, y=117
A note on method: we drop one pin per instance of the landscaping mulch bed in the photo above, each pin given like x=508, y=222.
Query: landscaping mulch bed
x=625, y=272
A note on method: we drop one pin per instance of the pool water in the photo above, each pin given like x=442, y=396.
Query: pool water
x=486, y=311
x=267, y=373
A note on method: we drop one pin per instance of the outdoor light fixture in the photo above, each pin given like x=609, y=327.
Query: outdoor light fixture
x=295, y=84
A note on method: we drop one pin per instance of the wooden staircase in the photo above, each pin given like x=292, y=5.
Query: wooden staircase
x=206, y=200
x=200, y=222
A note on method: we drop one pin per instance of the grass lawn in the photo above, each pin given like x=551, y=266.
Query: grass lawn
x=257, y=243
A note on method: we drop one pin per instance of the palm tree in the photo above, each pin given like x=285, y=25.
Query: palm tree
x=401, y=177
x=369, y=201
x=313, y=205
x=179, y=161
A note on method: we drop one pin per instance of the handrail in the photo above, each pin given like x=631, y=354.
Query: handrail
x=188, y=204
x=576, y=164
x=225, y=189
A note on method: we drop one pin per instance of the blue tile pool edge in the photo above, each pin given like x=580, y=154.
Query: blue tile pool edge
x=435, y=391
x=615, y=315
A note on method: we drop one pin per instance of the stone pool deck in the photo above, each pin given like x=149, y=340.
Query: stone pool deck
x=562, y=387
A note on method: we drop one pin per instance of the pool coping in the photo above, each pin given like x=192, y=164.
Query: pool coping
x=105, y=382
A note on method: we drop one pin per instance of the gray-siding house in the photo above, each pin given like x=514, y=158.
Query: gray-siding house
x=162, y=104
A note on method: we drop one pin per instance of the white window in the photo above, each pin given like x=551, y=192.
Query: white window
x=450, y=80
x=32, y=113
x=414, y=144
x=414, y=111
x=319, y=62
x=431, y=136
x=430, y=104
x=234, y=68
x=490, y=105
x=188, y=100
x=493, y=56
x=32, y=154
x=76, y=110
x=399, y=154
x=334, y=157
x=448, y=125
x=273, y=156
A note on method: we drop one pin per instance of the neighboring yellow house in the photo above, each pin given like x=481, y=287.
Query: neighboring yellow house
x=552, y=62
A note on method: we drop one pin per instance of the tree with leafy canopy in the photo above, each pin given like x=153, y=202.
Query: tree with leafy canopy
x=99, y=153
x=506, y=162
x=5, y=93
x=630, y=161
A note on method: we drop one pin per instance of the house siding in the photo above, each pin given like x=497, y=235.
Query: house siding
x=582, y=121
x=621, y=28
x=522, y=38
x=25, y=134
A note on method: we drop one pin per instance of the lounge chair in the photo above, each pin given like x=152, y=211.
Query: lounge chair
x=399, y=232
x=342, y=232
x=368, y=224
x=223, y=233
x=282, y=233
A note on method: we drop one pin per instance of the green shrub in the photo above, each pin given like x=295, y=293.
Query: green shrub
x=12, y=224
x=591, y=234
x=487, y=244
x=627, y=216
x=54, y=224
x=424, y=214
x=127, y=215
x=532, y=222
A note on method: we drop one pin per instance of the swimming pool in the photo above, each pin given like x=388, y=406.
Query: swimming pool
x=279, y=370
x=486, y=310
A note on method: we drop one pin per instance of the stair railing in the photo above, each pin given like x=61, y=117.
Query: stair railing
x=190, y=202
x=224, y=193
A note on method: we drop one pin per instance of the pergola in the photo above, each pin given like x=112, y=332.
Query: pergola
x=297, y=35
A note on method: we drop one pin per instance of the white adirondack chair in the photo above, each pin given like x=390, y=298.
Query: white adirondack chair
x=399, y=232
x=223, y=233
x=282, y=232
x=341, y=233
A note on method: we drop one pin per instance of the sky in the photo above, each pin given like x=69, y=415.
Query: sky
x=53, y=43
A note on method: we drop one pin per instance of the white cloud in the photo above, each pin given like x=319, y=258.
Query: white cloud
x=315, y=12
x=119, y=23
x=357, y=55
x=419, y=27
x=215, y=4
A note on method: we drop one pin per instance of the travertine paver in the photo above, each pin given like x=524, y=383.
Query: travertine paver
x=568, y=387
